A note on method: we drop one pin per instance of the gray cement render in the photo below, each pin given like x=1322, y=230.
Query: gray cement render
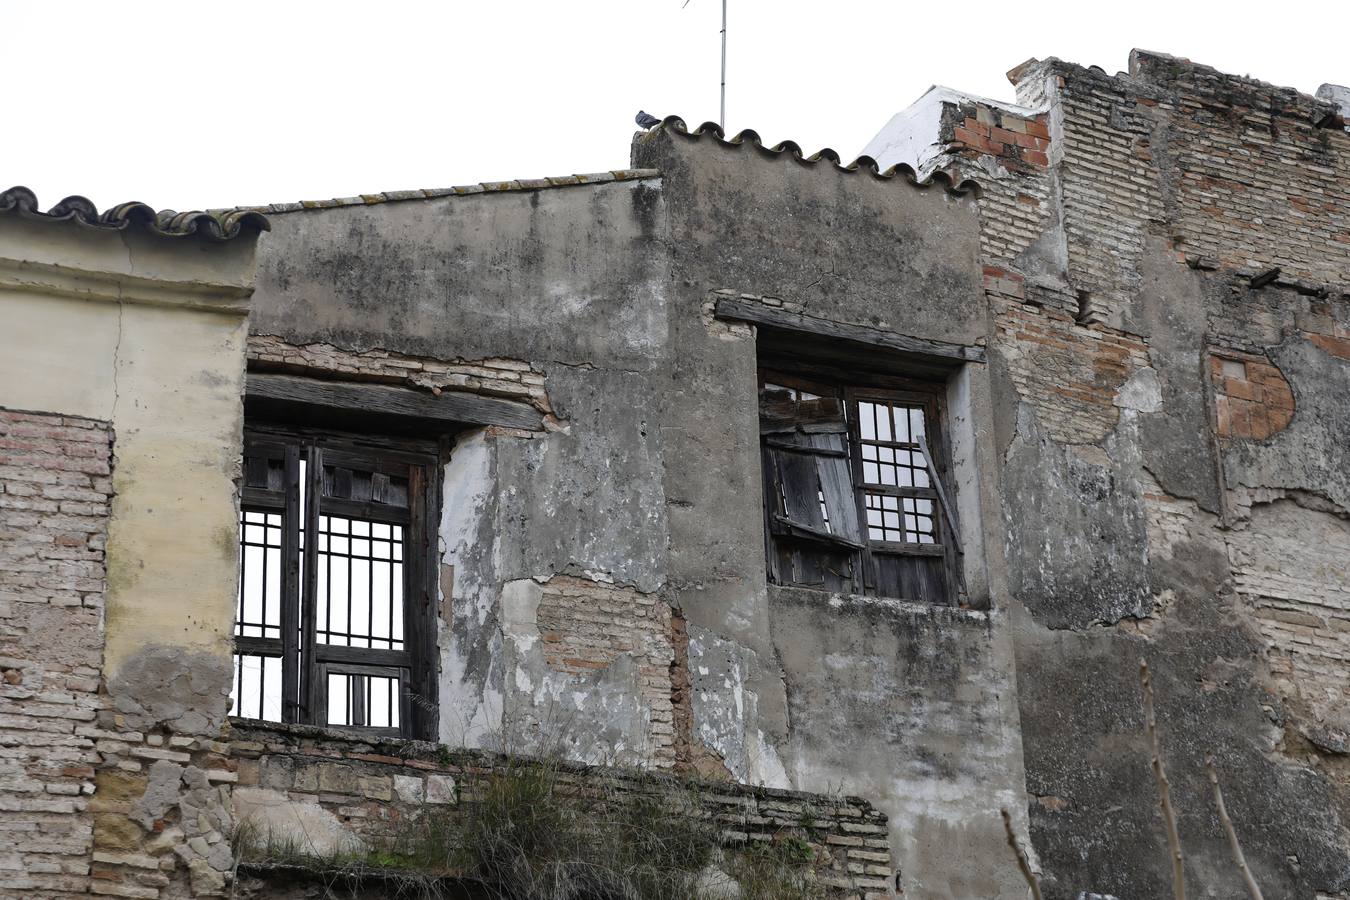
x=653, y=482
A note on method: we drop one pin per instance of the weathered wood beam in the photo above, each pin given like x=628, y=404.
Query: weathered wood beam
x=759, y=314
x=447, y=410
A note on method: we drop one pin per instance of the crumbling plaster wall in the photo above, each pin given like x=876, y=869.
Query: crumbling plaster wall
x=139, y=340
x=1166, y=508
x=646, y=487
x=568, y=284
x=911, y=707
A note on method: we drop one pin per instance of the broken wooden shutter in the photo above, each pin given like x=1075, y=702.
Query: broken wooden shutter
x=813, y=532
x=807, y=444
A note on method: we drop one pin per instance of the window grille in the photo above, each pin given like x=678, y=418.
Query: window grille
x=334, y=623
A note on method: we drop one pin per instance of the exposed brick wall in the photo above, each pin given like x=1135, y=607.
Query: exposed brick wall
x=90, y=807
x=586, y=625
x=1327, y=325
x=497, y=377
x=1070, y=373
x=366, y=788
x=55, y=491
x=1259, y=183
x=1252, y=398
x=1289, y=564
x=1015, y=210
x=1014, y=140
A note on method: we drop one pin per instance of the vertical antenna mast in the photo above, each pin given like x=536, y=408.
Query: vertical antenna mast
x=722, y=116
x=722, y=120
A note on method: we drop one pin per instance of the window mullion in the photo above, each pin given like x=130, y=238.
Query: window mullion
x=290, y=590
x=863, y=576
x=310, y=688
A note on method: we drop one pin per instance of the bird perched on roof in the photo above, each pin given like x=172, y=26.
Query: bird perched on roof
x=646, y=120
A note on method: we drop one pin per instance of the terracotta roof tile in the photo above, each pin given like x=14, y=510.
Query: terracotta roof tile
x=676, y=125
x=222, y=225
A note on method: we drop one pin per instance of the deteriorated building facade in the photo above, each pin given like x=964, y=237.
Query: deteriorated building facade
x=856, y=493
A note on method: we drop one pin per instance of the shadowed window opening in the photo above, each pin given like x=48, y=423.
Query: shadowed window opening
x=853, y=486
x=337, y=630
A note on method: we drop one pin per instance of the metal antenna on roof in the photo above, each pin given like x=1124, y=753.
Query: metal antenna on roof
x=722, y=114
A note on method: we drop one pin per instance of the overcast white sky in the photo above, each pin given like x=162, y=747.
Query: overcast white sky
x=197, y=104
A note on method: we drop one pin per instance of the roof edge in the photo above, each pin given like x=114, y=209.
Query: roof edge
x=484, y=187
x=951, y=183
x=218, y=226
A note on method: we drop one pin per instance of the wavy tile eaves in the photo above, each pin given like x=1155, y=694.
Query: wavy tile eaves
x=676, y=125
x=217, y=226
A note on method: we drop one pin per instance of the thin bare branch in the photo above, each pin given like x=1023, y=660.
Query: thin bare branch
x=1164, y=788
x=1023, y=862
x=1252, y=887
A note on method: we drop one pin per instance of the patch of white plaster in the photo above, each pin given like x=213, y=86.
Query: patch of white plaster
x=471, y=707
x=911, y=136
x=520, y=612
x=1141, y=392
x=275, y=818
x=726, y=710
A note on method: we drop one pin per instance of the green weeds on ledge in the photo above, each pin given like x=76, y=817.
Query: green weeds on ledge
x=532, y=831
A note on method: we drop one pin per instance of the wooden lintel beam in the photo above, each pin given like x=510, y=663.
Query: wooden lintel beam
x=759, y=314
x=450, y=409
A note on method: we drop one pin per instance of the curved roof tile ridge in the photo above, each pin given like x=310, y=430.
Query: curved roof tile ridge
x=676, y=125
x=218, y=226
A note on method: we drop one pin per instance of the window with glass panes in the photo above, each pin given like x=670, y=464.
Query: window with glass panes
x=334, y=624
x=853, y=480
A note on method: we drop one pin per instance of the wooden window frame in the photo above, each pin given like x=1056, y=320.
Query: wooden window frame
x=305, y=661
x=864, y=576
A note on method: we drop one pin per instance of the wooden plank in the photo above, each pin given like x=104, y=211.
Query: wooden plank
x=837, y=487
x=290, y=590
x=759, y=314
x=814, y=535
x=800, y=485
x=942, y=496
x=798, y=443
x=824, y=415
x=362, y=656
x=312, y=709
x=448, y=410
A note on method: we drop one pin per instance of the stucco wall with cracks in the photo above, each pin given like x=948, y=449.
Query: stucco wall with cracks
x=1123, y=494
x=143, y=337
x=604, y=578
x=1168, y=366
x=567, y=285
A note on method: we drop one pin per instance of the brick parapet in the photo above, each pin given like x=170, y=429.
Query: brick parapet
x=369, y=785
x=1248, y=175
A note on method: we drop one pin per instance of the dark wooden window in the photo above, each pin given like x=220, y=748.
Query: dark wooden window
x=853, y=481
x=335, y=620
